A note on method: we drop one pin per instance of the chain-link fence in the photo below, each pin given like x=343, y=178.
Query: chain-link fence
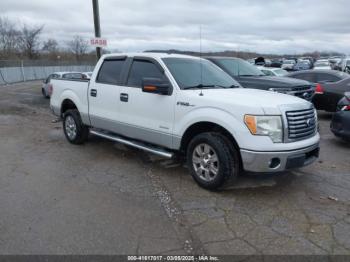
x=12, y=71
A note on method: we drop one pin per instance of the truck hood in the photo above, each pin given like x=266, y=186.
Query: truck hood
x=256, y=101
x=266, y=82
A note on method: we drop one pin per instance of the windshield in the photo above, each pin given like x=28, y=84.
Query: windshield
x=238, y=67
x=201, y=73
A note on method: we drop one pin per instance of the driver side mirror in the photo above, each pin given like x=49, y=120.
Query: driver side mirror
x=156, y=85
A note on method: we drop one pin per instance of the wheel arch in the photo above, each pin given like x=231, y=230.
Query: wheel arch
x=67, y=104
x=206, y=126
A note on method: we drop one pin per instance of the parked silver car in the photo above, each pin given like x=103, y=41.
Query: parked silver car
x=47, y=87
x=288, y=64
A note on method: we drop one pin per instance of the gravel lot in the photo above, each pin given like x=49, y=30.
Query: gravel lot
x=104, y=198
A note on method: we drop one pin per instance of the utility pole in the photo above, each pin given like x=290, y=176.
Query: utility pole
x=97, y=25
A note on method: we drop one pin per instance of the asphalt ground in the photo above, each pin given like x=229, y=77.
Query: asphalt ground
x=105, y=198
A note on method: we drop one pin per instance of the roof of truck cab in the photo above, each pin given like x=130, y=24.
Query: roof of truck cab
x=150, y=55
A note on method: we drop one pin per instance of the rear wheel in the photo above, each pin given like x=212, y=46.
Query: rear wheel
x=74, y=129
x=212, y=160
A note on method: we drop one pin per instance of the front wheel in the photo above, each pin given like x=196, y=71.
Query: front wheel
x=74, y=129
x=212, y=160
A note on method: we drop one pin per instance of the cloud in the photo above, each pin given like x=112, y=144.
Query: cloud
x=269, y=26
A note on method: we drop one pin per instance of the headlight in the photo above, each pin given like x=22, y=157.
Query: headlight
x=265, y=126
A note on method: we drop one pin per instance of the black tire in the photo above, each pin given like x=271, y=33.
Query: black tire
x=81, y=130
x=44, y=93
x=227, y=166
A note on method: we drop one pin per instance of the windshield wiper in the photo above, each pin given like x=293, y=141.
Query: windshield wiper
x=200, y=86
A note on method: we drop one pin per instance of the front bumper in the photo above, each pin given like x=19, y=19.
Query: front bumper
x=266, y=162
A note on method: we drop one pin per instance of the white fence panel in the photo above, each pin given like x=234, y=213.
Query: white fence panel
x=18, y=74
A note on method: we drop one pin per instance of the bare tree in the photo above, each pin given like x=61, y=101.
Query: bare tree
x=9, y=39
x=30, y=40
x=78, y=46
x=51, y=48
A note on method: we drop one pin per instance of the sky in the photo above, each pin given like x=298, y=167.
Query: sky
x=264, y=26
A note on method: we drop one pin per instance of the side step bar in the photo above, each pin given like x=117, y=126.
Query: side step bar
x=135, y=144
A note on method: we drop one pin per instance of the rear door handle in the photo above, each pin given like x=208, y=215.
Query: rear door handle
x=93, y=92
x=124, y=97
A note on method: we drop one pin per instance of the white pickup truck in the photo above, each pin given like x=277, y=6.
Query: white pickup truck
x=171, y=104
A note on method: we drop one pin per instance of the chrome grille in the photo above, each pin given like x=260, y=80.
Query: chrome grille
x=301, y=124
x=305, y=92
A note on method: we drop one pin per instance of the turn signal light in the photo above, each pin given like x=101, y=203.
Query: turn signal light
x=251, y=123
x=319, y=89
x=150, y=88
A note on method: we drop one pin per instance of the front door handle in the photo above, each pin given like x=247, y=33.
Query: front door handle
x=124, y=97
x=93, y=92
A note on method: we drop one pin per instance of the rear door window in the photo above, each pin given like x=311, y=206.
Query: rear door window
x=110, y=71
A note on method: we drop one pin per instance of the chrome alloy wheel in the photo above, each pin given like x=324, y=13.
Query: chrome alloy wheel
x=71, y=127
x=205, y=162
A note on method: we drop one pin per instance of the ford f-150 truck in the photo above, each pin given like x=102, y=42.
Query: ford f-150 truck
x=175, y=104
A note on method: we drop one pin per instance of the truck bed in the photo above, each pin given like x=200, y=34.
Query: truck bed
x=73, y=89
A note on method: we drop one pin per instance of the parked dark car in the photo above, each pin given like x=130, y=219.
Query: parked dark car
x=330, y=86
x=276, y=63
x=250, y=76
x=260, y=61
x=340, y=125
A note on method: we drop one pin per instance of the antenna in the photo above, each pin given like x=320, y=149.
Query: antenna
x=200, y=57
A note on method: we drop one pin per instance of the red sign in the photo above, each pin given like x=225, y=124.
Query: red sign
x=98, y=42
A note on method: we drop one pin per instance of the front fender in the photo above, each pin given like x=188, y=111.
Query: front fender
x=225, y=119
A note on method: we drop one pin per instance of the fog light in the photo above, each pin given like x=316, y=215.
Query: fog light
x=274, y=163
